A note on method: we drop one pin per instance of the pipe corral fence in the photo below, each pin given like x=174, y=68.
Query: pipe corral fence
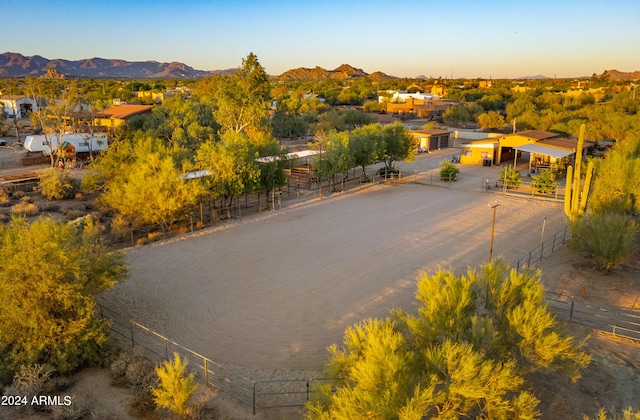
x=295, y=392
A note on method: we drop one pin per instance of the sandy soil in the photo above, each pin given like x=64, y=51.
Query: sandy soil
x=273, y=291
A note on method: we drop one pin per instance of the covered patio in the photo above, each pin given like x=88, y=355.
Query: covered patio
x=545, y=157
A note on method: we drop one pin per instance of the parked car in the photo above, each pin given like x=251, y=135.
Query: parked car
x=3, y=142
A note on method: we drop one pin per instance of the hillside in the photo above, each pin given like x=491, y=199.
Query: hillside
x=620, y=75
x=18, y=65
x=344, y=71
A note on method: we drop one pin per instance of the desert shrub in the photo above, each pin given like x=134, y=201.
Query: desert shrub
x=56, y=184
x=141, y=376
x=607, y=237
x=510, y=177
x=119, y=365
x=4, y=196
x=18, y=195
x=120, y=227
x=448, y=171
x=91, y=183
x=51, y=207
x=29, y=382
x=4, y=218
x=73, y=214
x=61, y=383
x=136, y=371
x=79, y=408
x=175, y=386
x=25, y=208
x=545, y=183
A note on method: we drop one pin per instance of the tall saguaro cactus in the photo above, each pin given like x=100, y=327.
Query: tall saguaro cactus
x=573, y=205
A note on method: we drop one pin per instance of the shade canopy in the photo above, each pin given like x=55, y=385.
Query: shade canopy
x=545, y=150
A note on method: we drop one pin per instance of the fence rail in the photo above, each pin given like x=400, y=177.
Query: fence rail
x=295, y=392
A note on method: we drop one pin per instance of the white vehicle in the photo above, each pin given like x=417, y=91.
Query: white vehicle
x=83, y=142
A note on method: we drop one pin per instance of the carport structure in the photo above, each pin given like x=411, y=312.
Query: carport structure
x=546, y=149
x=546, y=154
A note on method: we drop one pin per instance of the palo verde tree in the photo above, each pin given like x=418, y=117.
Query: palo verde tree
x=47, y=291
x=175, y=386
x=232, y=164
x=143, y=181
x=466, y=353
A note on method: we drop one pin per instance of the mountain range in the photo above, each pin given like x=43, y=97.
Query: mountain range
x=18, y=65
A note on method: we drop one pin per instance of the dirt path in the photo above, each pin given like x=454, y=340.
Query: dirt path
x=275, y=294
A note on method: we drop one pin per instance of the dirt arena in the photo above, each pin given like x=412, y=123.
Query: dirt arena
x=272, y=291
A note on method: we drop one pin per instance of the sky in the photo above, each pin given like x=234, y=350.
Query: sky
x=446, y=38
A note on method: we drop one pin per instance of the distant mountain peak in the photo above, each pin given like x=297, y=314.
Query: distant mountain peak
x=344, y=71
x=621, y=75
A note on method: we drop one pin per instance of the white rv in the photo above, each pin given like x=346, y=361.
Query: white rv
x=83, y=142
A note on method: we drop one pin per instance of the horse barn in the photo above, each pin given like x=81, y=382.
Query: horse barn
x=545, y=150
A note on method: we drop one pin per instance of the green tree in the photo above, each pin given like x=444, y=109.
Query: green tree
x=466, y=353
x=491, y=120
x=335, y=156
x=144, y=183
x=175, y=387
x=396, y=144
x=232, y=165
x=47, y=293
x=242, y=99
x=615, y=187
x=271, y=166
x=188, y=123
x=456, y=115
x=285, y=125
x=365, y=144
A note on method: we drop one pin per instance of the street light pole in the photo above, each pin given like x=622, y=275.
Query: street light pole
x=494, y=206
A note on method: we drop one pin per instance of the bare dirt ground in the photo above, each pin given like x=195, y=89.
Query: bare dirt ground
x=268, y=293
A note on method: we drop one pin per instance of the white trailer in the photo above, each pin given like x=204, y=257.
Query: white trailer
x=83, y=142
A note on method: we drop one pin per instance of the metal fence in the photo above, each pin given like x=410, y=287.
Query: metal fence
x=295, y=392
x=212, y=211
x=544, y=248
x=621, y=322
x=254, y=394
